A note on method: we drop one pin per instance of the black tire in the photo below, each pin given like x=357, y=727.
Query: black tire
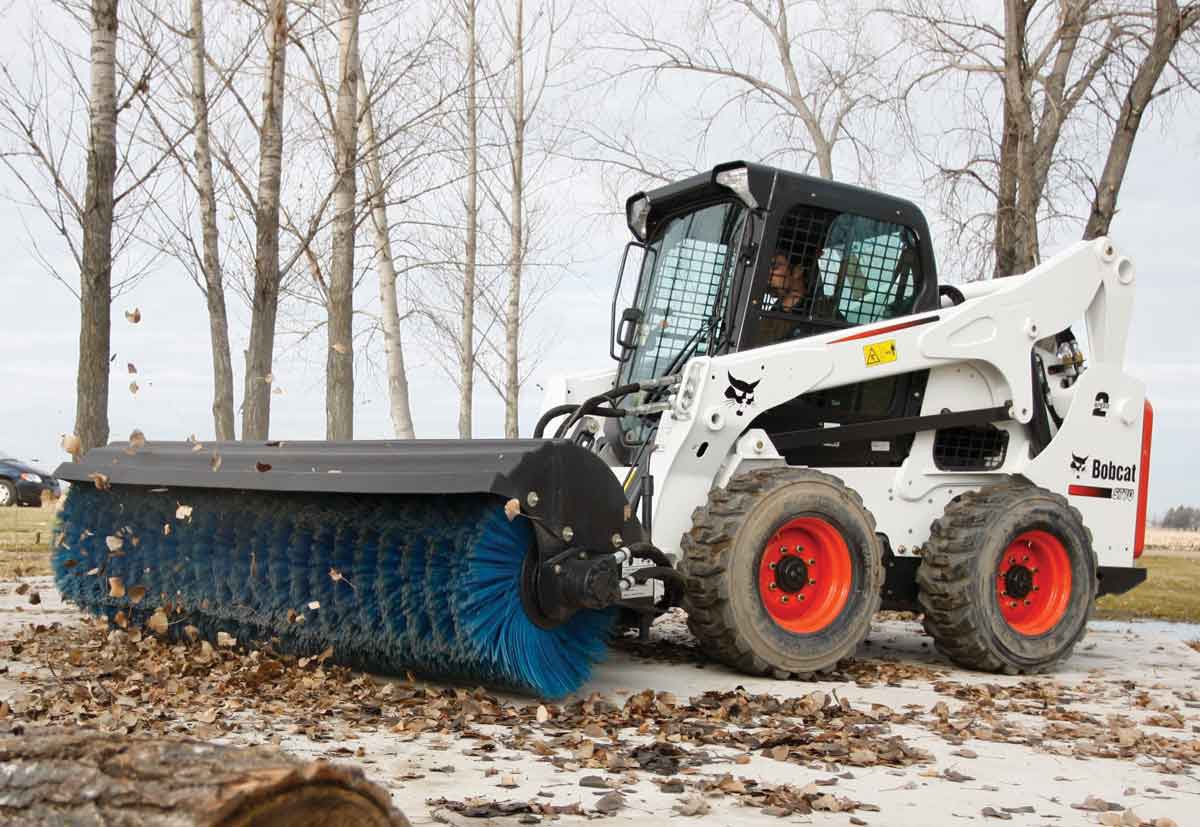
x=8, y=494
x=959, y=575
x=723, y=553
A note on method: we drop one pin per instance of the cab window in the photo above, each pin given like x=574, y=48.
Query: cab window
x=830, y=270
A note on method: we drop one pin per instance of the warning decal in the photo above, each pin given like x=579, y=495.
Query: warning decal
x=880, y=352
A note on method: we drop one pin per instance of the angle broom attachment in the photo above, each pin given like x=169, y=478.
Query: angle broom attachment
x=433, y=583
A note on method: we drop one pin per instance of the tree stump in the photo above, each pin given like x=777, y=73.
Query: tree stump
x=88, y=779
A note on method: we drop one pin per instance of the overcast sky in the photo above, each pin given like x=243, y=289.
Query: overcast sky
x=1158, y=226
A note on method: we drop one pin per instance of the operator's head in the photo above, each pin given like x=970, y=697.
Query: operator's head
x=781, y=269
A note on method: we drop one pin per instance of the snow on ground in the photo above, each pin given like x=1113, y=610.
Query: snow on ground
x=899, y=730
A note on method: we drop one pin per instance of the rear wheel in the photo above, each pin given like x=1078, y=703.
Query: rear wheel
x=1008, y=579
x=783, y=571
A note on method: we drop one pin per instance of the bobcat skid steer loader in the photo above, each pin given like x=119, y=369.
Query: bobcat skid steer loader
x=840, y=431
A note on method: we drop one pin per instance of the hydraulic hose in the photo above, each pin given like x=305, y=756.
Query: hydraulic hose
x=588, y=406
x=558, y=410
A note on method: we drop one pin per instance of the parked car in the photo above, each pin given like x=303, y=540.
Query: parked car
x=22, y=484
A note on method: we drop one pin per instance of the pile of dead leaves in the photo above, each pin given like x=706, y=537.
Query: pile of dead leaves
x=1001, y=713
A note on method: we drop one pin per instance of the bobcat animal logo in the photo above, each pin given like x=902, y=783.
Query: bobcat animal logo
x=1078, y=463
x=740, y=394
x=1100, y=405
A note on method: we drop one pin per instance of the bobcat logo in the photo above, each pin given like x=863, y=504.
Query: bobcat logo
x=1078, y=463
x=1100, y=406
x=740, y=394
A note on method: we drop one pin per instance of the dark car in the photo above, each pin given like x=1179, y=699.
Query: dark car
x=22, y=484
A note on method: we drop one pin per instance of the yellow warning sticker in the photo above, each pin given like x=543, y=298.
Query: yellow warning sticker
x=877, y=353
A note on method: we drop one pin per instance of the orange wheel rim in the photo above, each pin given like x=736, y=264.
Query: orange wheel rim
x=805, y=575
x=1033, y=583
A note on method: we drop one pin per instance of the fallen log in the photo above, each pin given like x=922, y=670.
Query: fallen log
x=101, y=779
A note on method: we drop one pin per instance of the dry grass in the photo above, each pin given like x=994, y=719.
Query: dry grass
x=25, y=537
x=1171, y=592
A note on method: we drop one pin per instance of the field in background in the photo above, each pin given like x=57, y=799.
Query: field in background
x=25, y=537
x=1171, y=591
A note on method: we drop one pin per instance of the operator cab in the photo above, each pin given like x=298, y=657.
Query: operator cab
x=748, y=255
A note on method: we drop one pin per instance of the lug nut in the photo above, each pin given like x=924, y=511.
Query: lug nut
x=812, y=582
x=783, y=549
x=773, y=587
x=1012, y=605
x=1028, y=602
x=799, y=549
x=1037, y=588
x=1025, y=558
x=811, y=561
x=801, y=596
x=772, y=567
x=1034, y=571
x=784, y=598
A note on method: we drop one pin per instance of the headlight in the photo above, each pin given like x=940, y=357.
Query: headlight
x=31, y=477
x=738, y=180
x=637, y=213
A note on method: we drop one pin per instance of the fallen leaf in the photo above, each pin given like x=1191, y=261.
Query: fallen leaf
x=262, y=467
x=121, y=620
x=131, y=368
x=989, y=812
x=543, y=714
x=99, y=480
x=208, y=716
x=191, y=633
x=34, y=598
x=133, y=387
x=226, y=640
x=509, y=781
x=692, y=805
x=116, y=587
x=136, y=593
x=137, y=441
x=22, y=588
x=114, y=543
x=158, y=622
x=72, y=445
x=610, y=803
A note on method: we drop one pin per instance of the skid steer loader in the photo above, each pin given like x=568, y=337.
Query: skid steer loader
x=802, y=425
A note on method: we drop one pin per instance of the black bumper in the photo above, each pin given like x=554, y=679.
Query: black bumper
x=1119, y=579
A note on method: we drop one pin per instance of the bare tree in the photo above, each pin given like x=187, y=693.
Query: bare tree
x=516, y=261
x=397, y=377
x=822, y=77
x=256, y=411
x=466, y=384
x=1160, y=38
x=214, y=284
x=1037, y=85
x=95, y=280
x=339, y=371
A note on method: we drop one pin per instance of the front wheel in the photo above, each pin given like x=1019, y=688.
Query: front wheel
x=783, y=571
x=1008, y=579
x=8, y=493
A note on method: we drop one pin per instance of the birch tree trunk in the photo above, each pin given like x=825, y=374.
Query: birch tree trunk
x=214, y=285
x=393, y=345
x=256, y=411
x=512, y=316
x=95, y=280
x=339, y=358
x=466, y=384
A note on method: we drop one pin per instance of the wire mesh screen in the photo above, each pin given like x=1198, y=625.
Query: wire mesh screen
x=841, y=269
x=970, y=449
x=688, y=281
